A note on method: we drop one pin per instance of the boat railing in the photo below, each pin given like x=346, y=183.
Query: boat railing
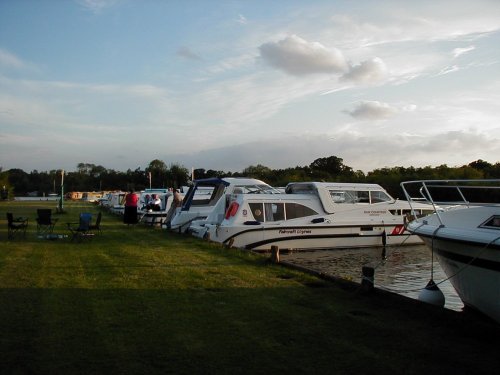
x=452, y=193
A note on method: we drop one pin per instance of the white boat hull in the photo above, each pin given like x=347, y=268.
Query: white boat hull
x=256, y=237
x=473, y=272
x=465, y=237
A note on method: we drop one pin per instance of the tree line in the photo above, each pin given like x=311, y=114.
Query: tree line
x=91, y=177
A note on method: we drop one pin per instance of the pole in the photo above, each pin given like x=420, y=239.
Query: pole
x=61, y=198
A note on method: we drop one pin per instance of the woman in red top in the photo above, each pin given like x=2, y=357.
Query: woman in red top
x=130, y=214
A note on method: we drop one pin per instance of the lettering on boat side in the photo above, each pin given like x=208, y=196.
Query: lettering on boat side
x=295, y=231
x=374, y=212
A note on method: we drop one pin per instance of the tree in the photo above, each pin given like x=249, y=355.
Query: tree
x=5, y=188
x=199, y=173
x=179, y=176
x=330, y=168
x=480, y=165
x=258, y=171
x=19, y=180
x=158, y=170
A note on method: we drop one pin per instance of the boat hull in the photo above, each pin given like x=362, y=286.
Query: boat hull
x=473, y=270
x=257, y=237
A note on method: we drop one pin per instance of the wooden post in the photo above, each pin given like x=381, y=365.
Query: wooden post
x=275, y=254
x=367, y=280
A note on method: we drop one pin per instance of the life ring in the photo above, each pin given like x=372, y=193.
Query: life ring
x=231, y=211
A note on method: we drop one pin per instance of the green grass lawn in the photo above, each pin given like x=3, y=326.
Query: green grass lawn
x=141, y=300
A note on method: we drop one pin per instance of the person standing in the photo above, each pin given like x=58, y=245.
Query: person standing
x=130, y=214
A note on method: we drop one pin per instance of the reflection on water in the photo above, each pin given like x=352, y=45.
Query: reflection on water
x=405, y=270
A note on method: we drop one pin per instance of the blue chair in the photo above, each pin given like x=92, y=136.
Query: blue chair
x=81, y=231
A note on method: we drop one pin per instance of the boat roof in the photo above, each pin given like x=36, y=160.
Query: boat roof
x=337, y=185
x=229, y=181
x=155, y=190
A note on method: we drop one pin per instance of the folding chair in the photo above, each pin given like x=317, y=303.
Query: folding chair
x=97, y=225
x=45, y=223
x=16, y=225
x=81, y=231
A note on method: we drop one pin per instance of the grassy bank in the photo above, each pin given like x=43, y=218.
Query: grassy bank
x=143, y=300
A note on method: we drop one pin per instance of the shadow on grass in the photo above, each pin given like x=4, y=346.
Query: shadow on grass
x=230, y=330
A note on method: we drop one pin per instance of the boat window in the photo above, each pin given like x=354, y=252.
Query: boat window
x=350, y=196
x=338, y=196
x=257, y=210
x=300, y=189
x=380, y=196
x=295, y=210
x=257, y=189
x=492, y=223
x=203, y=195
x=362, y=196
x=274, y=211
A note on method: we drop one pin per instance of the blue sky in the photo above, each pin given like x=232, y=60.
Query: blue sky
x=228, y=84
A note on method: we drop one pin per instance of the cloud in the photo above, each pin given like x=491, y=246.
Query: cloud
x=448, y=69
x=297, y=56
x=97, y=6
x=372, y=110
x=188, y=54
x=369, y=71
x=360, y=151
x=10, y=60
x=460, y=51
x=242, y=19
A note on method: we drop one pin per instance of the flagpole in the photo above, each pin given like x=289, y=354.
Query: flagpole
x=61, y=199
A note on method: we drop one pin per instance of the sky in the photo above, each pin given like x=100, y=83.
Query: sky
x=224, y=85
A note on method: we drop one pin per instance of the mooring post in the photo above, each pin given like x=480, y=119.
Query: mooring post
x=367, y=280
x=275, y=254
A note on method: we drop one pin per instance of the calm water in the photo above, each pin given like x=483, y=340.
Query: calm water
x=405, y=270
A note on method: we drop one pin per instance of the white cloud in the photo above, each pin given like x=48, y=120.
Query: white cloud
x=366, y=72
x=242, y=19
x=414, y=22
x=297, y=56
x=460, y=51
x=448, y=70
x=10, y=60
x=372, y=110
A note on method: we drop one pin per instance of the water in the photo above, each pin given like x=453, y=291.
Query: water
x=405, y=270
x=50, y=198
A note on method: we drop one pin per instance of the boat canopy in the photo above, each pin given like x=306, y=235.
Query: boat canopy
x=333, y=194
x=215, y=187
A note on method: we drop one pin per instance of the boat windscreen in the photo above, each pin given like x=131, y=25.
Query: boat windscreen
x=257, y=189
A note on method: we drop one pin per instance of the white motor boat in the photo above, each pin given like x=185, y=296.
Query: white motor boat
x=465, y=237
x=113, y=201
x=206, y=194
x=311, y=215
x=154, y=205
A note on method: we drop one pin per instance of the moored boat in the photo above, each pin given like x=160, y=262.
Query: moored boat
x=154, y=205
x=114, y=202
x=206, y=194
x=465, y=237
x=311, y=215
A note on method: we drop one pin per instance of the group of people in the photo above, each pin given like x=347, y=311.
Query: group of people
x=152, y=203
